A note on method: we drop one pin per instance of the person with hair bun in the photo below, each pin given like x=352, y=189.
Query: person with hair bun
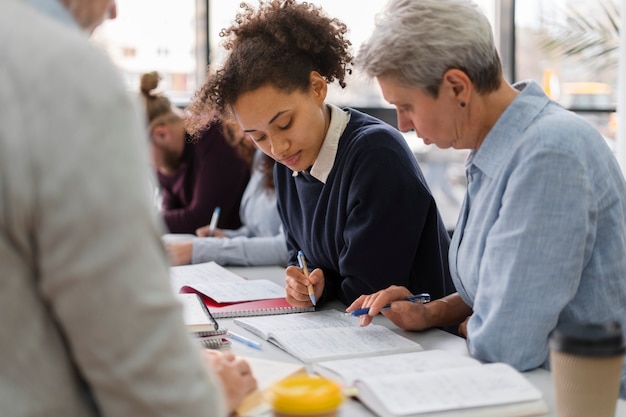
x=260, y=240
x=350, y=193
x=195, y=176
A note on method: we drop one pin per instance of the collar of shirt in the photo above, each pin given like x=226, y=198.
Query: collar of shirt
x=55, y=10
x=326, y=158
x=500, y=140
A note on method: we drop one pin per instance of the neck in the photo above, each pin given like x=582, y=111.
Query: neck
x=491, y=107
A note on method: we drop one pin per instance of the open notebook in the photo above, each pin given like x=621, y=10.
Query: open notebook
x=435, y=383
x=227, y=294
x=325, y=335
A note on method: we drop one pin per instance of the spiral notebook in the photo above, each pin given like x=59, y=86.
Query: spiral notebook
x=227, y=294
x=252, y=308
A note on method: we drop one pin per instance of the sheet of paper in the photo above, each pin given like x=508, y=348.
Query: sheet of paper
x=232, y=292
x=262, y=325
x=447, y=389
x=351, y=369
x=311, y=345
x=197, y=274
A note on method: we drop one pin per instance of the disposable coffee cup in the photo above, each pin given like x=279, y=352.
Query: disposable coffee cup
x=586, y=362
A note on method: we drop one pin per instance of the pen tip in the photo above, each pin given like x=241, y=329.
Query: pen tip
x=313, y=300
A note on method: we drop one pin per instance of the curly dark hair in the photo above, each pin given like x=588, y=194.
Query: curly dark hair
x=279, y=44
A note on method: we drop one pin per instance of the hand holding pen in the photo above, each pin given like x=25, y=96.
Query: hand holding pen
x=305, y=270
x=406, y=315
x=422, y=298
x=214, y=219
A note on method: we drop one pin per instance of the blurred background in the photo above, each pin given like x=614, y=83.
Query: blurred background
x=569, y=46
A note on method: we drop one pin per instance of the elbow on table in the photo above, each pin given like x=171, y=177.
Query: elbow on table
x=523, y=358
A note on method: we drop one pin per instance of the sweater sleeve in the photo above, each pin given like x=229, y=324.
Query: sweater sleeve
x=102, y=269
x=241, y=250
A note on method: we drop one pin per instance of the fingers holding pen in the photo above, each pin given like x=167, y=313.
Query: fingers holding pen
x=297, y=292
x=376, y=302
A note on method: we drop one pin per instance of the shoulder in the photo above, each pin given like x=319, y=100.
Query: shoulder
x=57, y=72
x=561, y=132
x=47, y=56
x=370, y=138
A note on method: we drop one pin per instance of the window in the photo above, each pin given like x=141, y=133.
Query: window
x=570, y=46
x=360, y=92
x=158, y=36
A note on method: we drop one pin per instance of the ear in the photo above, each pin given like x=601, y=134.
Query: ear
x=319, y=88
x=160, y=134
x=456, y=85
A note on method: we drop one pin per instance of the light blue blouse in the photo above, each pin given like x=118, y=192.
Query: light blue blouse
x=260, y=241
x=541, y=238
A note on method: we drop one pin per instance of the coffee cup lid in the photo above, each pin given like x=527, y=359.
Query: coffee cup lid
x=597, y=340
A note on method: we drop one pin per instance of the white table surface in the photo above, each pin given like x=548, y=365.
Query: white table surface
x=430, y=339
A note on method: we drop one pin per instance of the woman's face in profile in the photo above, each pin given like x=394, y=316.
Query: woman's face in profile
x=433, y=119
x=289, y=127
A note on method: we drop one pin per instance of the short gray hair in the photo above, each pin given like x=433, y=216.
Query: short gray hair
x=417, y=41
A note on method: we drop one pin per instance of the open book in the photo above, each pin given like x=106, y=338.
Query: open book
x=325, y=335
x=435, y=383
x=490, y=390
x=348, y=371
x=227, y=294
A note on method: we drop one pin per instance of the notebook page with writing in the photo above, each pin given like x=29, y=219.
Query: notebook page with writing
x=234, y=292
x=346, y=371
x=196, y=275
x=262, y=326
x=326, y=335
x=494, y=389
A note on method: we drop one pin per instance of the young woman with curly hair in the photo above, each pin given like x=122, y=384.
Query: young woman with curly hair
x=350, y=193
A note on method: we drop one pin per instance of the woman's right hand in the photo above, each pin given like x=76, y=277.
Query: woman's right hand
x=377, y=301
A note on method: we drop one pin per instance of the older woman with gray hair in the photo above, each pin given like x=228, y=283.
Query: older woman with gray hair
x=541, y=236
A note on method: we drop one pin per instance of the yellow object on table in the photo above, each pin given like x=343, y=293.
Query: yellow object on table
x=305, y=395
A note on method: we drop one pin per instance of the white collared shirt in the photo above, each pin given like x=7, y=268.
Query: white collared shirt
x=326, y=158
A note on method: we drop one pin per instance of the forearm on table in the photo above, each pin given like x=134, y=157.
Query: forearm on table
x=448, y=311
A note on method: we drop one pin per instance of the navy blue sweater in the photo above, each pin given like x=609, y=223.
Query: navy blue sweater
x=373, y=224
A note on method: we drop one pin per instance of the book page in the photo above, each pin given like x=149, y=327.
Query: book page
x=448, y=389
x=263, y=325
x=195, y=314
x=310, y=345
x=239, y=291
x=346, y=371
x=197, y=274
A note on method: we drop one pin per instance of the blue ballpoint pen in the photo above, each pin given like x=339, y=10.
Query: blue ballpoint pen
x=244, y=340
x=304, y=268
x=417, y=298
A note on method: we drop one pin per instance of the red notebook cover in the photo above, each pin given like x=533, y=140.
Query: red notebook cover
x=249, y=308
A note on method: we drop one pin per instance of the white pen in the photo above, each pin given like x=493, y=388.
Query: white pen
x=244, y=340
x=214, y=218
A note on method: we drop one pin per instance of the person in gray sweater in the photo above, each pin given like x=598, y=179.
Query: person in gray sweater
x=90, y=324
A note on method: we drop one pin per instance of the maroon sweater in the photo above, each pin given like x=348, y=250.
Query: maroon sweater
x=211, y=174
